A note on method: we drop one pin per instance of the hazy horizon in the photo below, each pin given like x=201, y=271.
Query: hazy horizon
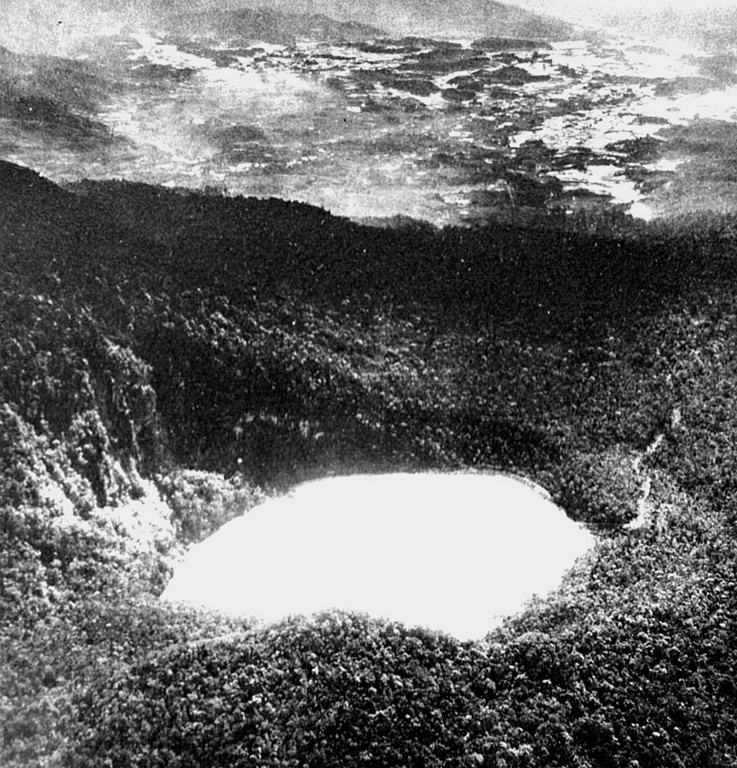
x=36, y=26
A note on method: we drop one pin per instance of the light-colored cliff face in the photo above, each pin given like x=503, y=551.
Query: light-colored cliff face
x=453, y=552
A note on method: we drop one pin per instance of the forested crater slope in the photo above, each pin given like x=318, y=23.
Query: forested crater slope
x=168, y=358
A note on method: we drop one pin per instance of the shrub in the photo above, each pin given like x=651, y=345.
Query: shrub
x=600, y=489
x=201, y=502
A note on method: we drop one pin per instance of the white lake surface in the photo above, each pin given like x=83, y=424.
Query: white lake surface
x=451, y=552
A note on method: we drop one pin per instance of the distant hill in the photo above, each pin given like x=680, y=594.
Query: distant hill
x=492, y=18
x=33, y=25
x=52, y=98
x=267, y=25
x=438, y=18
x=340, y=20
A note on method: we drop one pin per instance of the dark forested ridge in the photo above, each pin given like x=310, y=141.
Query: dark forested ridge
x=266, y=25
x=167, y=357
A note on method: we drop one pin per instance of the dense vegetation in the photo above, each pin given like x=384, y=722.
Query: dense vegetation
x=167, y=358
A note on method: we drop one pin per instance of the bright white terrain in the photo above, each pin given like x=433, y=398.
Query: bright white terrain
x=452, y=552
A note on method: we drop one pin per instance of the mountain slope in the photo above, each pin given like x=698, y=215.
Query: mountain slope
x=473, y=18
x=266, y=25
x=163, y=352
